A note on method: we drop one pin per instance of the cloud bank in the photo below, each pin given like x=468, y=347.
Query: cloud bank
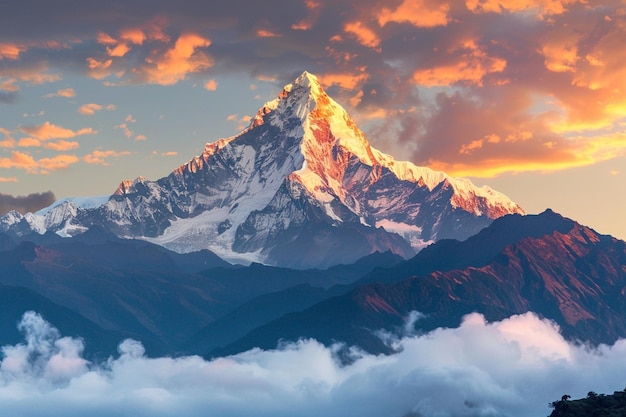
x=25, y=204
x=475, y=87
x=510, y=368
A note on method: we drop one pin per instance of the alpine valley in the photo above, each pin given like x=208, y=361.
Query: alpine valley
x=298, y=228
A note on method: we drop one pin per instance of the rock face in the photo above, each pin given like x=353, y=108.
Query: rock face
x=300, y=187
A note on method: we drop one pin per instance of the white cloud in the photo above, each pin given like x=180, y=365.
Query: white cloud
x=510, y=368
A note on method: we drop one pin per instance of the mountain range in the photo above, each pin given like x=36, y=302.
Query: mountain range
x=298, y=228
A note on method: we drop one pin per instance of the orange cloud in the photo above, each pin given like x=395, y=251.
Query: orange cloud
x=8, y=179
x=8, y=141
x=363, y=34
x=56, y=163
x=171, y=153
x=141, y=137
x=133, y=35
x=21, y=160
x=242, y=122
x=344, y=80
x=62, y=145
x=419, y=13
x=560, y=55
x=118, y=50
x=211, y=85
x=313, y=8
x=34, y=75
x=11, y=51
x=173, y=65
x=28, y=143
x=99, y=69
x=92, y=108
x=64, y=92
x=105, y=39
x=470, y=66
x=98, y=157
x=542, y=7
x=124, y=126
x=475, y=144
x=265, y=33
x=558, y=155
x=49, y=131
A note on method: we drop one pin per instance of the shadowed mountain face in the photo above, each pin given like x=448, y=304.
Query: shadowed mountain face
x=546, y=264
x=116, y=288
x=126, y=288
x=301, y=187
x=15, y=301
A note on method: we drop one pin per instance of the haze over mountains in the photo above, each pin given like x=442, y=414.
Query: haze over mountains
x=347, y=254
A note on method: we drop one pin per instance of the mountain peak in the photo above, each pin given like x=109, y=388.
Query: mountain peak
x=306, y=79
x=300, y=186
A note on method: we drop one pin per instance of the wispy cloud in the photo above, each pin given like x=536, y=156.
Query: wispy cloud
x=92, y=108
x=25, y=161
x=63, y=92
x=210, y=85
x=50, y=131
x=99, y=157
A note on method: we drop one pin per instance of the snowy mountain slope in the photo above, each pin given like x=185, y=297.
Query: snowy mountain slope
x=301, y=186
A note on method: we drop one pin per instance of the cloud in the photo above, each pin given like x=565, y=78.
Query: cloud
x=172, y=65
x=25, y=161
x=99, y=157
x=242, y=122
x=29, y=143
x=63, y=92
x=92, y=108
x=542, y=8
x=514, y=368
x=50, y=131
x=531, y=65
x=24, y=204
x=366, y=36
x=8, y=141
x=266, y=33
x=420, y=13
x=31, y=73
x=62, y=145
x=11, y=50
x=485, y=141
x=126, y=129
x=469, y=64
x=210, y=85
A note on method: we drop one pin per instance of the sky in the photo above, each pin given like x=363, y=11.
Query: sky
x=511, y=368
x=525, y=96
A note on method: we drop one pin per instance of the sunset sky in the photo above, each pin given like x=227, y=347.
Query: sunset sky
x=526, y=96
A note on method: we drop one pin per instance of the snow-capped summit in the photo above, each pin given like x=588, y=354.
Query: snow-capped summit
x=300, y=186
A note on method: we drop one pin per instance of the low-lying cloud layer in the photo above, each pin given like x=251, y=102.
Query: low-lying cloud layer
x=510, y=368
